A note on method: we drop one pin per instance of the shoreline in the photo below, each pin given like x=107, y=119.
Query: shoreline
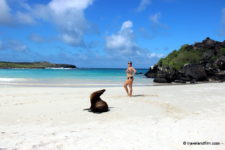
x=28, y=82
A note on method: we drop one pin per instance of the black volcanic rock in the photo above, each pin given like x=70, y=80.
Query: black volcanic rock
x=209, y=42
x=194, y=72
x=202, y=61
x=152, y=72
x=161, y=76
x=220, y=62
x=160, y=80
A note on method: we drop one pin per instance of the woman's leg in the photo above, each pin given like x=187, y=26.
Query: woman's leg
x=130, y=87
x=125, y=86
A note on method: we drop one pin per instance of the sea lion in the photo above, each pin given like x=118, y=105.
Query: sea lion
x=97, y=104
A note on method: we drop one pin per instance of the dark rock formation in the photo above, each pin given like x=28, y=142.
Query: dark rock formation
x=203, y=61
x=152, y=72
x=194, y=72
x=220, y=62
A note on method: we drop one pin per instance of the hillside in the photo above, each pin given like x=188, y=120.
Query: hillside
x=37, y=65
x=202, y=61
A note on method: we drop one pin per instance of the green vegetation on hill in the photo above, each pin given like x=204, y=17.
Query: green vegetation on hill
x=206, y=51
x=177, y=59
x=38, y=65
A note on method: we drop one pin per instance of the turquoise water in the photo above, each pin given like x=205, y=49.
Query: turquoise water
x=69, y=77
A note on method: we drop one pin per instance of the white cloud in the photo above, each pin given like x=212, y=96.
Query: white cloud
x=123, y=41
x=24, y=5
x=155, y=18
x=68, y=16
x=122, y=45
x=5, y=16
x=63, y=6
x=14, y=45
x=153, y=55
x=8, y=17
x=143, y=5
x=71, y=39
x=157, y=28
x=126, y=25
x=23, y=18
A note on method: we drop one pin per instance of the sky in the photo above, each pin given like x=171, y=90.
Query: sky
x=105, y=33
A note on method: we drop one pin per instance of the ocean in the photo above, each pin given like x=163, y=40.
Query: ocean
x=70, y=77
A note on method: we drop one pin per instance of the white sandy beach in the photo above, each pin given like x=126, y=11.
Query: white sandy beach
x=156, y=118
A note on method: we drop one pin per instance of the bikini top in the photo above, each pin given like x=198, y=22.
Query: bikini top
x=129, y=71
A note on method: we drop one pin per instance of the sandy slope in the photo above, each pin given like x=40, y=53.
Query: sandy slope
x=156, y=118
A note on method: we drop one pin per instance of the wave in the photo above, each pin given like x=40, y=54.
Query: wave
x=12, y=79
x=59, y=68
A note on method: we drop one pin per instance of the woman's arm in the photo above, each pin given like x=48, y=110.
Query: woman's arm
x=134, y=70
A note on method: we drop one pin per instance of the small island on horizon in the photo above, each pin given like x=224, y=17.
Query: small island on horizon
x=33, y=65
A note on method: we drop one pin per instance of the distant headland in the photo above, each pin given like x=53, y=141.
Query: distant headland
x=33, y=65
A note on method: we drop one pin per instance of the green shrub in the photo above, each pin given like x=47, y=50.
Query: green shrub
x=177, y=59
x=222, y=51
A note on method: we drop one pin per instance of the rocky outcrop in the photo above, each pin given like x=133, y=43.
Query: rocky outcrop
x=220, y=62
x=203, y=61
x=194, y=72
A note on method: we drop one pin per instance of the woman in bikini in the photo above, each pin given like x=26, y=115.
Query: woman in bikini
x=130, y=78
